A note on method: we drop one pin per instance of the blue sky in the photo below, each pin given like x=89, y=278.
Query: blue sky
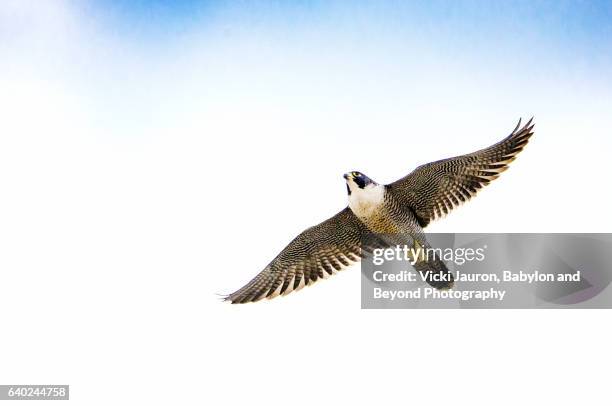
x=140, y=64
x=388, y=43
x=559, y=30
x=573, y=23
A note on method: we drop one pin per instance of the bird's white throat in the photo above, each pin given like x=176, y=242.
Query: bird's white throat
x=365, y=202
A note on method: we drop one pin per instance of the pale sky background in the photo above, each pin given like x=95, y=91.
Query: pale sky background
x=155, y=155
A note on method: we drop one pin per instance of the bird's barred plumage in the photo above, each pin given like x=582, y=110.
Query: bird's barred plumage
x=429, y=192
x=434, y=189
x=317, y=253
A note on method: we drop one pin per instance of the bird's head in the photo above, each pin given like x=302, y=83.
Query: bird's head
x=357, y=181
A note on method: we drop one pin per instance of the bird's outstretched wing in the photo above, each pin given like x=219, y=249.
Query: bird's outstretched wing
x=434, y=189
x=316, y=253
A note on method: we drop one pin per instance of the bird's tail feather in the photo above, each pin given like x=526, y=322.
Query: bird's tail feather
x=435, y=272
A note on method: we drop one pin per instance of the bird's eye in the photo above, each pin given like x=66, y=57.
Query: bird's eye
x=356, y=174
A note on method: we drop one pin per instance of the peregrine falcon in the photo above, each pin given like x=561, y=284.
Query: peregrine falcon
x=403, y=207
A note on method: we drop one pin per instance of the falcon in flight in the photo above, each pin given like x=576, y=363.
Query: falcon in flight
x=401, y=208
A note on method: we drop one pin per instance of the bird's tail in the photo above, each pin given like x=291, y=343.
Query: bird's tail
x=434, y=271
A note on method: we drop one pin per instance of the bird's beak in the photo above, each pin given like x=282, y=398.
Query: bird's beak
x=347, y=176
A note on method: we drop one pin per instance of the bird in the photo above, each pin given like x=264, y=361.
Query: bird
x=402, y=208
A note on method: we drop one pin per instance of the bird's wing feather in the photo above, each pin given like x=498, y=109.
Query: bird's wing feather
x=434, y=189
x=316, y=253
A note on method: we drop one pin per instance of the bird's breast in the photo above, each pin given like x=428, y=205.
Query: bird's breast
x=370, y=207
